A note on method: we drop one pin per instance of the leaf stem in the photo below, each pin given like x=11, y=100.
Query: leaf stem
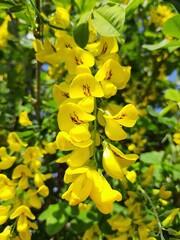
x=146, y=196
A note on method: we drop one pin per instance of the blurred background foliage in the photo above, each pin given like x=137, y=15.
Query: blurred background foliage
x=152, y=50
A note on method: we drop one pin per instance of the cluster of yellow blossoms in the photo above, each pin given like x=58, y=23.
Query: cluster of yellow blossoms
x=86, y=120
x=160, y=15
x=22, y=187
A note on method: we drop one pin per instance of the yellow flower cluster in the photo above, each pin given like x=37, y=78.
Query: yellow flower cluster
x=160, y=15
x=4, y=32
x=22, y=187
x=86, y=119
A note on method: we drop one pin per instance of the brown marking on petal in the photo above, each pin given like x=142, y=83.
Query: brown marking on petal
x=75, y=119
x=105, y=47
x=121, y=116
x=86, y=90
x=68, y=45
x=78, y=61
x=108, y=75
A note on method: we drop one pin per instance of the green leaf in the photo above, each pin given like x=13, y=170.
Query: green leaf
x=55, y=218
x=172, y=94
x=85, y=5
x=17, y=8
x=151, y=111
x=108, y=21
x=172, y=26
x=132, y=6
x=81, y=32
x=163, y=44
x=6, y=4
x=62, y=3
x=152, y=157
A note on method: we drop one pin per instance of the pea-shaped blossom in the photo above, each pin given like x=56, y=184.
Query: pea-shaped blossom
x=14, y=141
x=116, y=162
x=24, y=119
x=78, y=60
x=22, y=172
x=77, y=158
x=60, y=92
x=71, y=115
x=126, y=117
x=6, y=160
x=4, y=210
x=79, y=136
x=113, y=76
x=7, y=188
x=22, y=213
x=88, y=182
x=85, y=85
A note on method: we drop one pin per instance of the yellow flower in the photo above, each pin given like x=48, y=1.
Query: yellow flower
x=131, y=176
x=5, y=235
x=32, y=156
x=50, y=147
x=23, y=213
x=85, y=85
x=7, y=188
x=15, y=143
x=77, y=158
x=6, y=160
x=24, y=120
x=176, y=138
x=47, y=52
x=92, y=233
x=4, y=32
x=106, y=48
x=60, y=18
x=77, y=60
x=113, y=73
x=22, y=172
x=34, y=199
x=168, y=220
x=119, y=223
x=115, y=162
x=71, y=115
x=160, y=15
x=102, y=194
x=127, y=117
x=60, y=92
x=40, y=178
x=4, y=210
x=88, y=182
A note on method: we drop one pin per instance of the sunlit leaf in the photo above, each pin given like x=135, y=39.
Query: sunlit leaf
x=108, y=21
x=172, y=26
x=85, y=5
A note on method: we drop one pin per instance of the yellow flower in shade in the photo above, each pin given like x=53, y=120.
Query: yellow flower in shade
x=7, y=188
x=5, y=235
x=160, y=15
x=61, y=18
x=4, y=210
x=115, y=162
x=24, y=120
x=85, y=85
x=113, y=73
x=6, y=160
x=33, y=199
x=92, y=233
x=131, y=176
x=148, y=175
x=176, y=138
x=119, y=223
x=15, y=143
x=127, y=117
x=43, y=190
x=71, y=115
x=40, y=178
x=168, y=220
x=50, y=147
x=32, y=156
x=162, y=192
x=77, y=158
x=22, y=172
x=78, y=60
x=23, y=213
x=47, y=52
x=60, y=92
